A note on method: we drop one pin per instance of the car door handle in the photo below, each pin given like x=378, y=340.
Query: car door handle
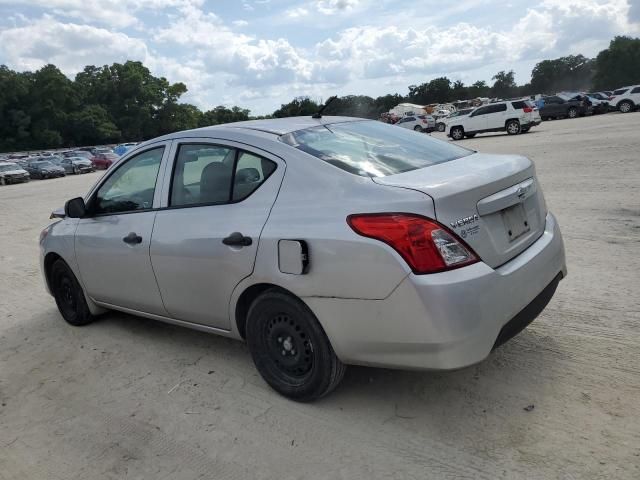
x=132, y=239
x=236, y=239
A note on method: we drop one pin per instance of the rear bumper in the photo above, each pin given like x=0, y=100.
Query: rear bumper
x=447, y=320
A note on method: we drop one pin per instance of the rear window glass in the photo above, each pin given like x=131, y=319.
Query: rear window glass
x=372, y=149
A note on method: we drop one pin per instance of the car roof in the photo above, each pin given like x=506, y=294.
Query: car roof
x=278, y=126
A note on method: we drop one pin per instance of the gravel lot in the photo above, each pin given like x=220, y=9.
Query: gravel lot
x=131, y=398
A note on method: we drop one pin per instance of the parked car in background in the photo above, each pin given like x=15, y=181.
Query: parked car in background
x=44, y=169
x=419, y=123
x=512, y=116
x=598, y=105
x=626, y=99
x=100, y=150
x=560, y=106
x=11, y=172
x=102, y=161
x=321, y=241
x=123, y=148
x=441, y=123
x=76, y=165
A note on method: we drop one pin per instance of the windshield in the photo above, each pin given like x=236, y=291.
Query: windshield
x=42, y=164
x=8, y=168
x=372, y=149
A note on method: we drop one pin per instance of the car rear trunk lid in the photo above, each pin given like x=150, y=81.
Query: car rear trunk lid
x=492, y=202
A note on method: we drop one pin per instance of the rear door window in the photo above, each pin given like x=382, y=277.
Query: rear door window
x=620, y=91
x=207, y=174
x=372, y=149
x=636, y=90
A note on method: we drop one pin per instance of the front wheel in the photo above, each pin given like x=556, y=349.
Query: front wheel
x=625, y=107
x=457, y=133
x=69, y=295
x=441, y=127
x=513, y=127
x=572, y=113
x=417, y=128
x=290, y=348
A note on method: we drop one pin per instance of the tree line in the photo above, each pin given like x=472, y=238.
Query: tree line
x=125, y=102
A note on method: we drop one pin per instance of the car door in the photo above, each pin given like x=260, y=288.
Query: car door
x=497, y=116
x=206, y=239
x=112, y=242
x=477, y=121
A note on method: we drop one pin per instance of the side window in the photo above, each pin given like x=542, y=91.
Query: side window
x=501, y=107
x=131, y=186
x=518, y=105
x=636, y=90
x=202, y=174
x=251, y=172
x=209, y=174
x=620, y=91
x=480, y=111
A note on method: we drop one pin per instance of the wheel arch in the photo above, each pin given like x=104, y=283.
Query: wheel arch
x=49, y=259
x=511, y=119
x=247, y=297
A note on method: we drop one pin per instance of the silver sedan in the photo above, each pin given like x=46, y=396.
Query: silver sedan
x=322, y=242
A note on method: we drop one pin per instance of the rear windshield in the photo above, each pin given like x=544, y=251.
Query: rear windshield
x=373, y=149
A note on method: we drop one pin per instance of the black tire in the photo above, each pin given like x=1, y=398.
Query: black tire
x=441, y=127
x=290, y=349
x=513, y=127
x=470, y=135
x=417, y=128
x=572, y=112
x=625, y=106
x=69, y=295
x=457, y=133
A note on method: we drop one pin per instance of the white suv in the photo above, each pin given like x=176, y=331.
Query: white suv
x=513, y=116
x=626, y=99
x=419, y=123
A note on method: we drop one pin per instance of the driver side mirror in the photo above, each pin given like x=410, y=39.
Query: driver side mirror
x=75, y=208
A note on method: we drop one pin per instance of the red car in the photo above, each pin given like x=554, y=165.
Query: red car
x=104, y=160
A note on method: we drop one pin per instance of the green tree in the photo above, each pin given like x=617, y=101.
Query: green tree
x=573, y=72
x=504, y=85
x=618, y=65
x=298, y=107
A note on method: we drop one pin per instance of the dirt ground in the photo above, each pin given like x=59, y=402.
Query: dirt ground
x=129, y=398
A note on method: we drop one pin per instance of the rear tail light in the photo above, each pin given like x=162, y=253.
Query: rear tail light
x=426, y=245
x=425, y=120
x=527, y=109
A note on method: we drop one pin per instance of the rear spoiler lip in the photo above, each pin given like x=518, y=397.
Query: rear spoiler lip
x=59, y=213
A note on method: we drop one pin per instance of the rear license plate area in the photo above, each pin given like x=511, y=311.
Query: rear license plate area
x=515, y=221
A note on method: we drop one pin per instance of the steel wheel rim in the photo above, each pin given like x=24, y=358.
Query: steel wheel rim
x=289, y=348
x=66, y=295
x=513, y=128
x=624, y=107
x=572, y=113
x=457, y=134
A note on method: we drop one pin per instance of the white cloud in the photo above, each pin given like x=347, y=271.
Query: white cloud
x=120, y=13
x=332, y=7
x=253, y=61
x=240, y=23
x=69, y=46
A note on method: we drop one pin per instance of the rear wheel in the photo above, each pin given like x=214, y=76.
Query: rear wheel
x=417, y=128
x=513, y=127
x=69, y=295
x=457, y=133
x=290, y=349
x=625, y=106
x=441, y=127
x=572, y=112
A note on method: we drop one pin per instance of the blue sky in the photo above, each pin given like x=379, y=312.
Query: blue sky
x=260, y=53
